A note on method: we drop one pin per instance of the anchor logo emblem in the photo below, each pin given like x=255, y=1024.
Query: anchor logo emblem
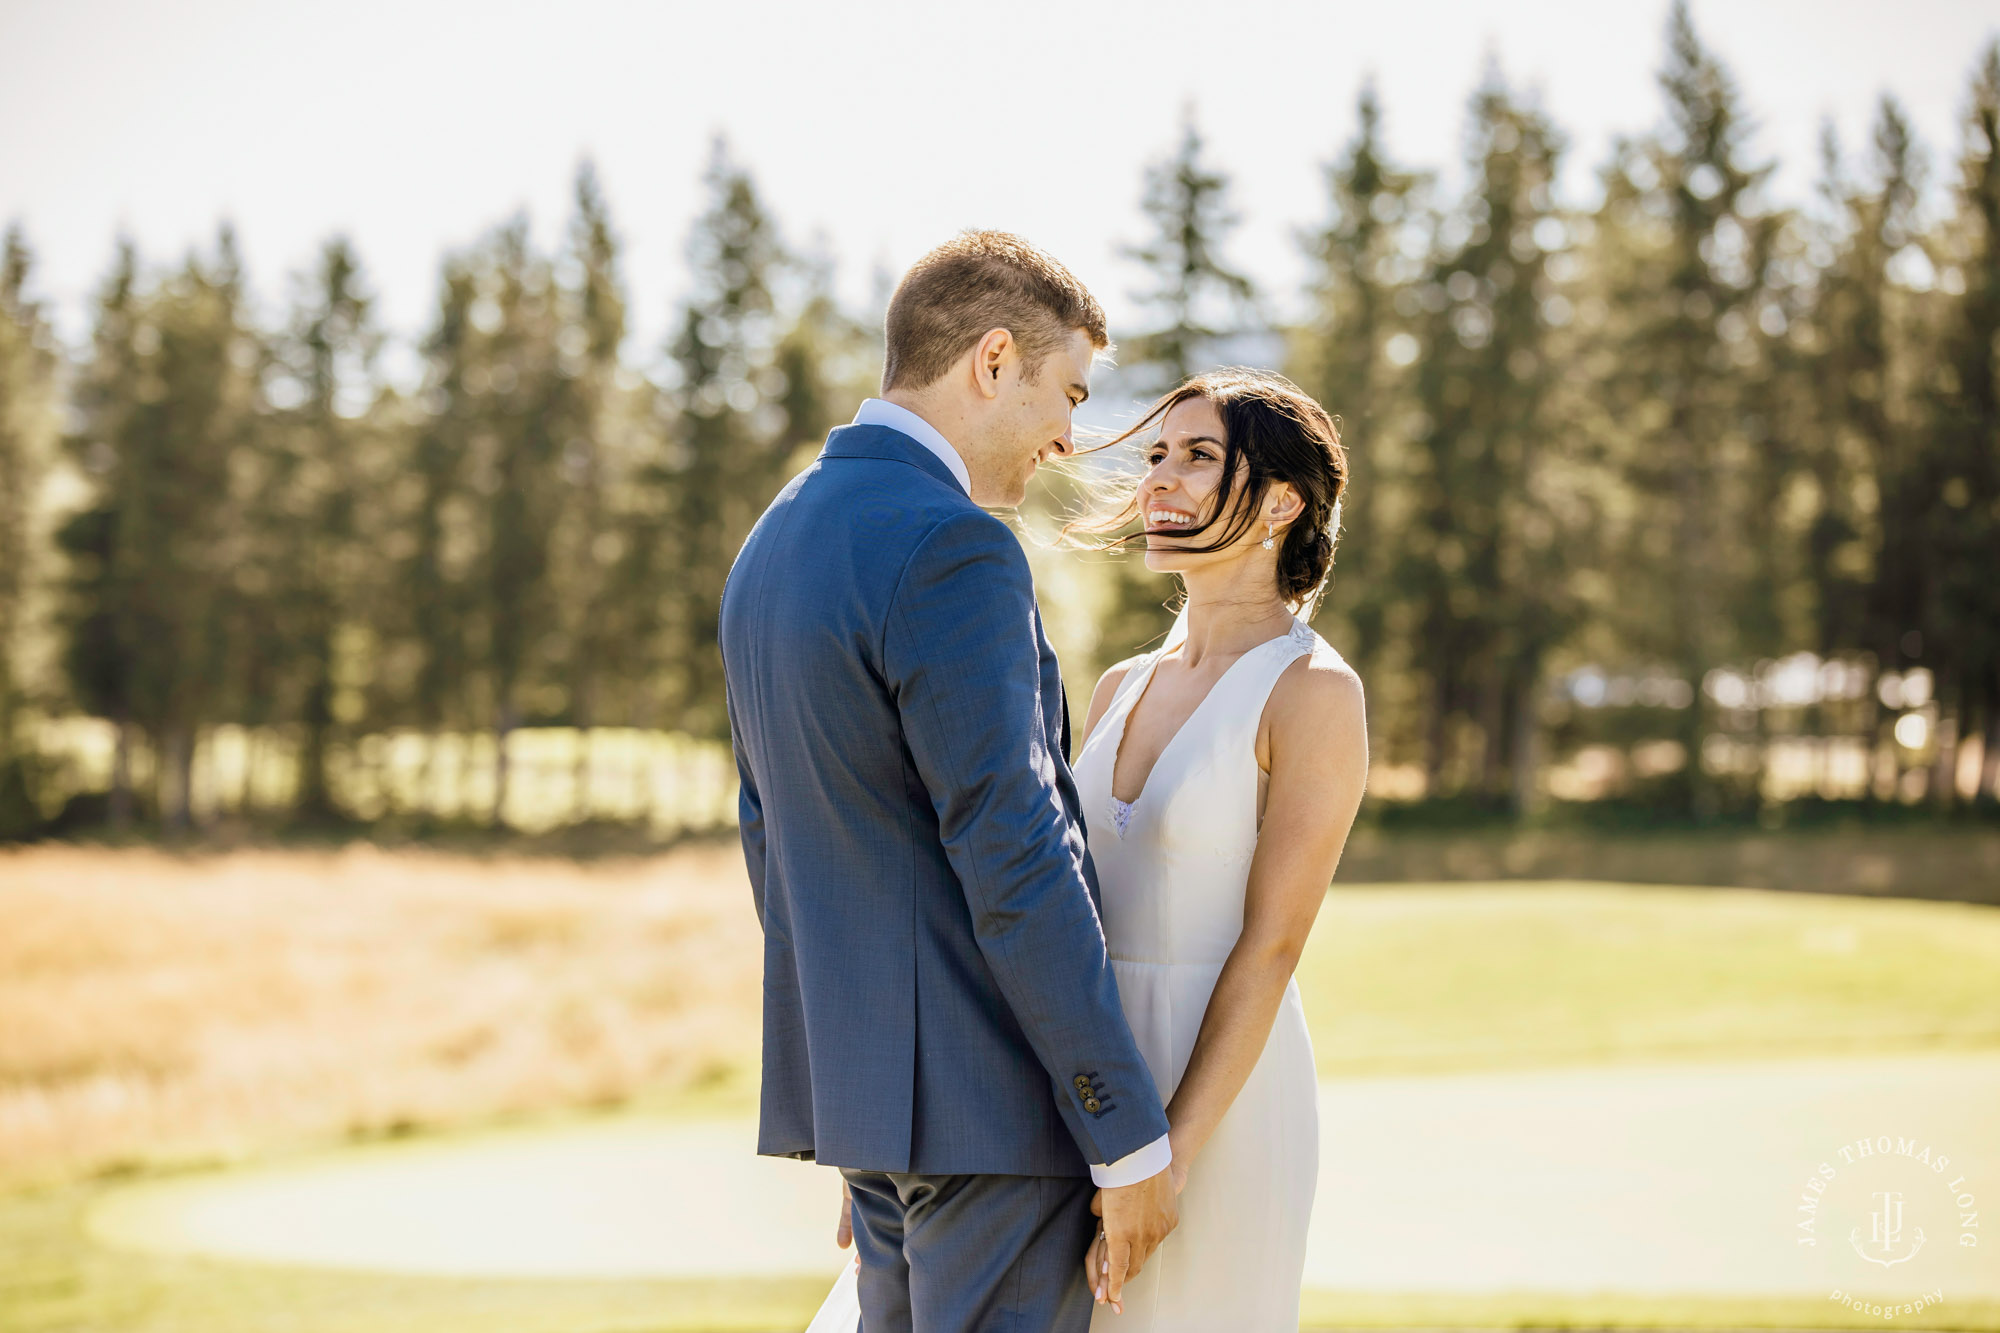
x=1886, y=1232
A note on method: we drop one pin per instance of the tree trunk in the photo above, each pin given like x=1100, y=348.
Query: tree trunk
x=1944, y=765
x=314, y=802
x=426, y=803
x=503, y=727
x=1434, y=739
x=582, y=717
x=1525, y=745
x=172, y=776
x=18, y=812
x=1494, y=704
x=638, y=784
x=246, y=790
x=1989, y=757
x=201, y=760
x=121, y=775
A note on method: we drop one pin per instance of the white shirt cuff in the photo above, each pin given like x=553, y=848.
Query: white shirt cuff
x=1144, y=1164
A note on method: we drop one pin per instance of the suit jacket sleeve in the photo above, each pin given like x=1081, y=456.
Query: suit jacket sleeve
x=962, y=657
x=749, y=809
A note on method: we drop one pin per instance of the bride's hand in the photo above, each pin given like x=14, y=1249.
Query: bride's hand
x=1095, y=1262
x=1180, y=1169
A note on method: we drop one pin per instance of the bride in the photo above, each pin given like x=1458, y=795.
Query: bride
x=1220, y=775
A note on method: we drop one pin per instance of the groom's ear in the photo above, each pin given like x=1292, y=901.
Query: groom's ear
x=989, y=354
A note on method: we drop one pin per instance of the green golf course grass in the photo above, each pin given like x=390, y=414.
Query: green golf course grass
x=1403, y=979
x=1451, y=978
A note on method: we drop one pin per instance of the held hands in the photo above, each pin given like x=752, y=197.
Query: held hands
x=1136, y=1219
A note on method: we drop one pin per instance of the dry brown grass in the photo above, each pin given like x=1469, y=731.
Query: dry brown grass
x=156, y=1007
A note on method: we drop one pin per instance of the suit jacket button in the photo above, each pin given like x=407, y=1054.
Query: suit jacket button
x=1082, y=1080
x=1090, y=1104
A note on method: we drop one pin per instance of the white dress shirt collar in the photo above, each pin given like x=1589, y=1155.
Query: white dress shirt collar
x=882, y=412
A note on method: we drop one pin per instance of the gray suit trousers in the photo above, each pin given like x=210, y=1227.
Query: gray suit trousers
x=972, y=1254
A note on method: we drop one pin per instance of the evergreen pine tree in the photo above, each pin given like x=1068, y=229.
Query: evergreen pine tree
x=1856, y=555
x=435, y=573
x=729, y=448
x=826, y=363
x=101, y=634
x=1197, y=296
x=590, y=343
x=28, y=426
x=1851, y=348
x=322, y=501
x=1961, y=482
x=170, y=395
x=1681, y=263
x=1365, y=261
x=525, y=414
x=1487, y=486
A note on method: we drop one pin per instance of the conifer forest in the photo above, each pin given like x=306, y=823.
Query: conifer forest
x=1682, y=503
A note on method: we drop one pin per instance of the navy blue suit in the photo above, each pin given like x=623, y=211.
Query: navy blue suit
x=938, y=1001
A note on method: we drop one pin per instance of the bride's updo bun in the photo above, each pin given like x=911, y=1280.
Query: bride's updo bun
x=1306, y=558
x=1279, y=433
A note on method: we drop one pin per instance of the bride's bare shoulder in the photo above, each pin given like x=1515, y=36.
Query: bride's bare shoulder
x=1318, y=694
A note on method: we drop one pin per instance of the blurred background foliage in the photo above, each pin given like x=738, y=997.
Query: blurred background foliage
x=1682, y=507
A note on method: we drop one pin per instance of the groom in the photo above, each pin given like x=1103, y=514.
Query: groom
x=940, y=1017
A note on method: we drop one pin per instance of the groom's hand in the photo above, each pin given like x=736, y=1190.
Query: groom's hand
x=1136, y=1219
x=843, y=1235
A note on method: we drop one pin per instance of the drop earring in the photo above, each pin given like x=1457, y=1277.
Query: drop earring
x=1270, y=533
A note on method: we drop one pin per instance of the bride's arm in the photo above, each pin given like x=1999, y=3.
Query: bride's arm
x=1319, y=763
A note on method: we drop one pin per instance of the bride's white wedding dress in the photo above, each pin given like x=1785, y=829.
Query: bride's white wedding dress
x=1173, y=865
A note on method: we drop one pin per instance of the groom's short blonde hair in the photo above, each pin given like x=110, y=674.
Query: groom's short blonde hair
x=972, y=284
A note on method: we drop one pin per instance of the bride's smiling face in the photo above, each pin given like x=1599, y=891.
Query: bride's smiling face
x=1179, y=491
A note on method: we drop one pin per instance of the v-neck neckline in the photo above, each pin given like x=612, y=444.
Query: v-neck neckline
x=1125, y=722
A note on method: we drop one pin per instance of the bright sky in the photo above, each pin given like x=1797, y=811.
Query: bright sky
x=413, y=125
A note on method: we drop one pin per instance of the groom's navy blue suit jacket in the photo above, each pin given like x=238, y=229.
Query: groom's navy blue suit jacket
x=937, y=995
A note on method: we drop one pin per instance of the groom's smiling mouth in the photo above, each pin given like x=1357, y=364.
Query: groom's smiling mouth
x=1160, y=518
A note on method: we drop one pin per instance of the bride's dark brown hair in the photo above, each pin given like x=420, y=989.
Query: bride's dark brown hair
x=1272, y=431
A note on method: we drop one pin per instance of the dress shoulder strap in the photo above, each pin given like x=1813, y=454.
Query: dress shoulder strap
x=1252, y=690
x=1123, y=698
x=1135, y=678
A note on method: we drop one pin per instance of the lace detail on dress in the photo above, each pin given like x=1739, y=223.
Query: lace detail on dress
x=1121, y=815
x=1302, y=634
